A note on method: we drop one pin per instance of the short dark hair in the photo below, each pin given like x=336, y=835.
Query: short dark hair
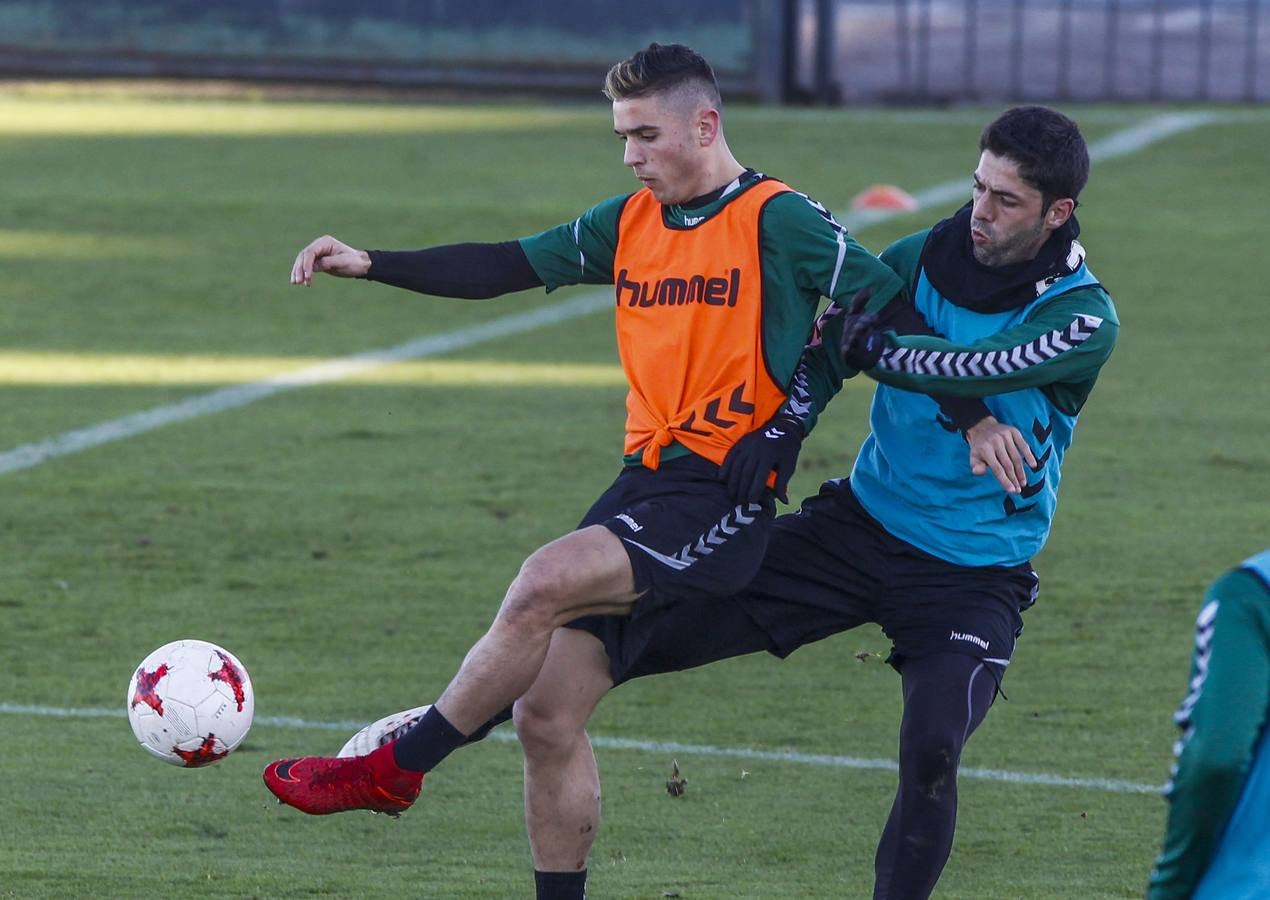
x=1047, y=147
x=658, y=68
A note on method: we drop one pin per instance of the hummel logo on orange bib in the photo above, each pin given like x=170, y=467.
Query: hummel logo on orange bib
x=679, y=291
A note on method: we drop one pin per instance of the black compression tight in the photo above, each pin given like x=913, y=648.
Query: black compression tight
x=946, y=696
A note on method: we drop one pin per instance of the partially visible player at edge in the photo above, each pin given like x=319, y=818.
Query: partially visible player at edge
x=1217, y=841
x=718, y=271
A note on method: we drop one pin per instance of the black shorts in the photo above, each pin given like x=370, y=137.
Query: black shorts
x=831, y=567
x=687, y=541
x=684, y=535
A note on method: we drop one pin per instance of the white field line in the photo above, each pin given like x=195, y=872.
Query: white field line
x=821, y=760
x=29, y=455
x=1121, y=143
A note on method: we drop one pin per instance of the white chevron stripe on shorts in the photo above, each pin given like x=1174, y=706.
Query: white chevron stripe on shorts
x=704, y=543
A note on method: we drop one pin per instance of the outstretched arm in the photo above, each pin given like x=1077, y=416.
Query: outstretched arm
x=579, y=252
x=1065, y=341
x=469, y=271
x=824, y=366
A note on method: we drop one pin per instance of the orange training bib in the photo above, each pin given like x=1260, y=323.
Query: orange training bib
x=690, y=326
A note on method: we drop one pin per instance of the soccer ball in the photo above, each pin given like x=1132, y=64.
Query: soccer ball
x=190, y=703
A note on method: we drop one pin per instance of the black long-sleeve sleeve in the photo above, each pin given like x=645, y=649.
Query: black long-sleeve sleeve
x=467, y=271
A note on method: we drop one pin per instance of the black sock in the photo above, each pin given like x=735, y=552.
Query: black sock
x=423, y=747
x=560, y=885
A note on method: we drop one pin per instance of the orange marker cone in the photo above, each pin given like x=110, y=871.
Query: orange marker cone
x=884, y=196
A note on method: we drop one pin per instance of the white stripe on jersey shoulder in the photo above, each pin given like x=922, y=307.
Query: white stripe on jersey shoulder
x=837, y=266
x=577, y=242
x=822, y=210
x=840, y=234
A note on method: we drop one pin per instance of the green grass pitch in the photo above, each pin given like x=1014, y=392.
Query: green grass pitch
x=349, y=541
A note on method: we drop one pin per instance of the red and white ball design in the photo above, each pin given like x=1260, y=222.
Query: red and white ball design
x=190, y=703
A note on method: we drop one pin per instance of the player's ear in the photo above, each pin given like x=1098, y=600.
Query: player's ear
x=1059, y=212
x=708, y=124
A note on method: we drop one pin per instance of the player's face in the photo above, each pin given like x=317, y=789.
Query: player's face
x=1007, y=224
x=662, y=146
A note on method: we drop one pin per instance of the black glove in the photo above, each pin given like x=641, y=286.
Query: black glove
x=753, y=457
x=861, y=341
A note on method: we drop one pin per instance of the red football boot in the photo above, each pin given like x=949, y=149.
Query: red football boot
x=321, y=785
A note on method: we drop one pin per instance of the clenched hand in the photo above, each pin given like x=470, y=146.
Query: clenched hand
x=333, y=257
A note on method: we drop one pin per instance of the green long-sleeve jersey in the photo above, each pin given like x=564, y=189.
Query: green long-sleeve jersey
x=1217, y=842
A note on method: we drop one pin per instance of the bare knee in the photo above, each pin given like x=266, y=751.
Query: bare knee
x=546, y=731
x=537, y=596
